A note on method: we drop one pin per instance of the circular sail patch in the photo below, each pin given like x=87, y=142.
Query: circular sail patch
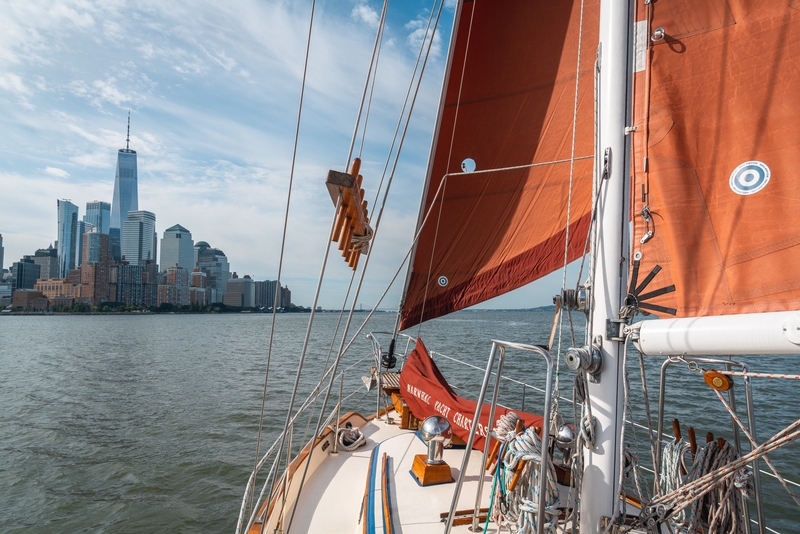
x=443, y=281
x=749, y=177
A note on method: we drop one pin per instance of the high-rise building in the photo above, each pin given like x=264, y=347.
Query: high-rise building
x=214, y=263
x=98, y=214
x=67, y=236
x=177, y=248
x=265, y=294
x=1, y=253
x=47, y=259
x=83, y=227
x=240, y=292
x=24, y=274
x=95, y=268
x=126, y=194
x=173, y=288
x=134, y=284
x=126, y=188
x=139, y=237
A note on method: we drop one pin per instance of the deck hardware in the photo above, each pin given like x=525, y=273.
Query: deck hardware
x=587, y=359
x=352, y=230
x=630, y=129
x=606, y=164
x=614, y=329
x=653, y=516
x=658, y=35
x=717, y=380
x=573, y=299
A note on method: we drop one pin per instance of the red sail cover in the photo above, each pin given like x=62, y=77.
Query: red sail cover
x=717, y=154
x=508, y=101
x=427, y=393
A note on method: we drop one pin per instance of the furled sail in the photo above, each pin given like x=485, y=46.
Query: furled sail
x=508, y=106
x=716, y=197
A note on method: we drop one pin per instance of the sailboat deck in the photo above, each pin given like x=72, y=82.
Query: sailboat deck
x=332, y=497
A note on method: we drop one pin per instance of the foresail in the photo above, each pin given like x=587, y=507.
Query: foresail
x=717, y=154
x=508, y=106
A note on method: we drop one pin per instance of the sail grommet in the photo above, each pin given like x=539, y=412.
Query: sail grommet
x=468, y=165
x=658, y=35
x=443, y=281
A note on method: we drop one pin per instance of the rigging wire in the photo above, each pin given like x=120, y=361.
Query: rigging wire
x=449, y=157
x=283, y=236
x=366, y=262
x=569, y=199
x=381, y=30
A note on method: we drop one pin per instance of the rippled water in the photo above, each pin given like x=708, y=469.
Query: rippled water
x=148, y=423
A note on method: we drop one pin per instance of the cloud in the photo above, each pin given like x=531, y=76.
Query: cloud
x=419, y=33
x=13, y=83
x=365, y=14
x=55, y=171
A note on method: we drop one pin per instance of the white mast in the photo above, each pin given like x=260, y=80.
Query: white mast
x=601, y=473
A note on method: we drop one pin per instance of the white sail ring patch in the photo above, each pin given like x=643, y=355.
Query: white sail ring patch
x=749, y=177
x=468, y=165
x=443, y=281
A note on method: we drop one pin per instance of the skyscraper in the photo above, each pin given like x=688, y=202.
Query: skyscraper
x=67, y=236
x=98, y=214
x=82, y=227
x=214, y=263
x=126, y=191
x=1, y=254
x=139, y=237
x=177, y=248
x=47, y=259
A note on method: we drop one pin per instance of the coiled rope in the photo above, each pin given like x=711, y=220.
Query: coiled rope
x=670, y=476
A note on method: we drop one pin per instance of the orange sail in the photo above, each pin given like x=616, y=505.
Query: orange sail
x=508, y=106
x=717, y=154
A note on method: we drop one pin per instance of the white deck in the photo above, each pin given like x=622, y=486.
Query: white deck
x=332, y=497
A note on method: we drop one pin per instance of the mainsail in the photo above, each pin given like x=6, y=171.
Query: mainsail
x=508, y=106
x=716, y=154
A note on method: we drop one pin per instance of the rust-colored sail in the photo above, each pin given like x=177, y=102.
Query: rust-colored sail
x=508, y=102
x=717, y=154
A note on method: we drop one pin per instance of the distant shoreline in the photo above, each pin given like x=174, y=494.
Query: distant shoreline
x=246, y=311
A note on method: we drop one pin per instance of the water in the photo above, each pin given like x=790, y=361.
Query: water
x=148, y=423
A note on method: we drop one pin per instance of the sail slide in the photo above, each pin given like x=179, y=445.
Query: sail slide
x=507, y=110
x=426, y=392
x=717, y=154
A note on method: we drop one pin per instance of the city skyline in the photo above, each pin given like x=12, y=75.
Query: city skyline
x=213, y=100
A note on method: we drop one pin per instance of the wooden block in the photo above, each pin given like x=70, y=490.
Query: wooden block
x=430, y=474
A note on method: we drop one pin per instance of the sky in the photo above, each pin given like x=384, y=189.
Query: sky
x=213, y=90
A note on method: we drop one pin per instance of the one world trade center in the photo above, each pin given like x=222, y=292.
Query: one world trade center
x=126, y=193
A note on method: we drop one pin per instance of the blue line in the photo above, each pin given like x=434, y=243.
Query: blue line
x=371, y=497
x=388, y=522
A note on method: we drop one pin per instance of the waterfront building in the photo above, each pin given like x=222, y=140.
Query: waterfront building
x=240, y=292
x=98, y=214
x=198, y=288
x=1, y=253
x=177, y=248
x=47, y=260
x=58, y=287
x=24, y=274
x=286, y=297
x=28, y=300
x=265, y=293
x=214, y=263
x=134, y=284
x=139, y=237
x=95, y=269
x=67, y=236
x=174, y=287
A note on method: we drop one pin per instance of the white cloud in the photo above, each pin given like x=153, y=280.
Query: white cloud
x=419, y=32
x=13, y=83
x=365, y=14
x=55, y=171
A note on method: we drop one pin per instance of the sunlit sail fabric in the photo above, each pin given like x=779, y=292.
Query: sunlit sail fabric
x=508, y=102
x=717, y=154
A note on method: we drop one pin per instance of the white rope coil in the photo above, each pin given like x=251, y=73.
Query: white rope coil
x=671, y=475
x=350, y=439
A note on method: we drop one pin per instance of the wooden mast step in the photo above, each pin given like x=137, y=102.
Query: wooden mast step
x=352, y=220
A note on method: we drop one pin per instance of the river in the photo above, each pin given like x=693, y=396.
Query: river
x=148, y=423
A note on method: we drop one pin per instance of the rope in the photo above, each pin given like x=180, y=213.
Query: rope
x=528, y=446
x=753, y=443
x=350, y=439
x=758, y=375
x=697, y=488
x=671, y=477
